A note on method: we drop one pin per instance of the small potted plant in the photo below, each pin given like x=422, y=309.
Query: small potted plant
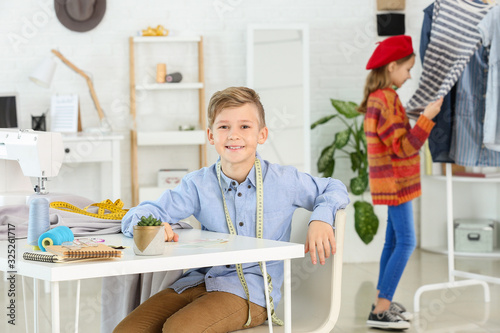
x=149, y=237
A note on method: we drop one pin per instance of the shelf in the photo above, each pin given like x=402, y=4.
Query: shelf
x=166, y=39
x=468, y=179
x=441, y=250
x=170, y=86
x=171, y=138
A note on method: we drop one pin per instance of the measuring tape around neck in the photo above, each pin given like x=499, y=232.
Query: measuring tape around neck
x=259, y=231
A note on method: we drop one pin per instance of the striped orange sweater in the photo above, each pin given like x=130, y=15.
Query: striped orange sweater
x=393, y=159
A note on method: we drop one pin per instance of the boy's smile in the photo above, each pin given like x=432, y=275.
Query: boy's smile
x=236, y=132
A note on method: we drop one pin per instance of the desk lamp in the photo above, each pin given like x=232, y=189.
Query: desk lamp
x=44, y=73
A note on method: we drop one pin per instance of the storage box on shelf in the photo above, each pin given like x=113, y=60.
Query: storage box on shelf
x=142, y=137
x=474, y=198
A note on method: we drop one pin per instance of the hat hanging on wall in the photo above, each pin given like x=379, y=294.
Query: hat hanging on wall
x=80, y=15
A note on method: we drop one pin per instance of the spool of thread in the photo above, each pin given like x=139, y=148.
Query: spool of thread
x=56, y=236
x=174, y=77
x=38, y=222
x=161, y=71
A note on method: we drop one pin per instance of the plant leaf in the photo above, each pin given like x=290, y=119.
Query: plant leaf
x=342, y=138
x=348, y=109
x=329, y=169
x=362, y=137
x=323, y=120
x=326, y=157
x=355, y=161
x=359, y=184
x=365, y=221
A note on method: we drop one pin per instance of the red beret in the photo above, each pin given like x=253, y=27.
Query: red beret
x=390, y=49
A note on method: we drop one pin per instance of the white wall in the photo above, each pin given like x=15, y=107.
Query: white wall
x=342, y=38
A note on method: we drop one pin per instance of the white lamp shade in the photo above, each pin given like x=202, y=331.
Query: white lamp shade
x=43, y=74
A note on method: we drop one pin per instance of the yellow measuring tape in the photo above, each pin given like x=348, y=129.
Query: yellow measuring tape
x=108, y=209
x=259, y=233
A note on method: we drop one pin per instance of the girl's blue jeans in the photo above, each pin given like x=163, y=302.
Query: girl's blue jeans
x=399, y=245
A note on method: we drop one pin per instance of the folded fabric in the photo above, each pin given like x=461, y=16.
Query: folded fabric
x=390, y=4
x=390, y=24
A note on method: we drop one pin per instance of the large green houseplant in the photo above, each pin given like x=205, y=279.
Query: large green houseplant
x=350, y=143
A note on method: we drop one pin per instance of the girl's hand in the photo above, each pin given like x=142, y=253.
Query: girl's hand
x=320, y=238
x=433, y=108
x=170, y=235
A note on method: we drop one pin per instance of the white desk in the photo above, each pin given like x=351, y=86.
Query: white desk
x=239, y=249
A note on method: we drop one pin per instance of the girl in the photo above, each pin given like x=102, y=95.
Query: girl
x=394, y=167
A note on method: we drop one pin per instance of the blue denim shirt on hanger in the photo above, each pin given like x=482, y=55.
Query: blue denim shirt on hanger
x=467, y=146
x=440, y=137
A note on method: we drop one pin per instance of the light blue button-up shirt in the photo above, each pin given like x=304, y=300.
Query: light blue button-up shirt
x=489, y=28
x=285, y=189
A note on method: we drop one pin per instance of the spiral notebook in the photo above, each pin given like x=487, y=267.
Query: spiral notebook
x=101, y=251
x=42, y=256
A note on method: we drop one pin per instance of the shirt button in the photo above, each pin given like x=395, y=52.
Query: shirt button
x=209, y=277
x=249, y=186
x=241, y=224
x=233, y=183
x=239, y=194
x=229, y=189
x=228, y=266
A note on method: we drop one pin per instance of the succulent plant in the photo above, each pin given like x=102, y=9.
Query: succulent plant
x=149, y=221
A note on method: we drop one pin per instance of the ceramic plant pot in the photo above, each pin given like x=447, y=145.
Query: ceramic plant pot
x=149, y=240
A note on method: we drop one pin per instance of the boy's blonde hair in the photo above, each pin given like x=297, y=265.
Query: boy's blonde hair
x=234, y=97
x=378, y=78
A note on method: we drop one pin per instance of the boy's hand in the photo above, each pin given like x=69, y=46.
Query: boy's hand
x=320, y=238
x=433, y=108
x=170, y=235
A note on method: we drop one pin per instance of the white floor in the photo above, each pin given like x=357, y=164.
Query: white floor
x=454, y=310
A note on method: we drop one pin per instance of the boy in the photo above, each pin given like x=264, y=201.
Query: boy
x=212, y=299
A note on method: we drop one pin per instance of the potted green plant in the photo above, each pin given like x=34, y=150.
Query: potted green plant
x=149, y=236
x=350, y=143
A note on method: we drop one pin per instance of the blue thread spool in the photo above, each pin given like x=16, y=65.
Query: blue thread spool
x=56, y=236
x=38, y=222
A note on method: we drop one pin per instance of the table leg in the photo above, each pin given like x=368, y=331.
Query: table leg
x=54, y=295
x=77, y=314
x=287, y=287
x=35, y=305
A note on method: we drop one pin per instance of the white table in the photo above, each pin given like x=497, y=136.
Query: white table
x=181, y=255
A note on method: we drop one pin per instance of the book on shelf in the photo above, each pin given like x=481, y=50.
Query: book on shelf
x=476, y=174
x=101, y=251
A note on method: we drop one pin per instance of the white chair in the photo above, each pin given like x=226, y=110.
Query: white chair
x=316, y=289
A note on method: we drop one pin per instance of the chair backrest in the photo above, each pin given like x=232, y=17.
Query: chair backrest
x=316, y=289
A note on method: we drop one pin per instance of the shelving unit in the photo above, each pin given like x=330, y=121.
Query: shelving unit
x=484, y=206
x=141, y=137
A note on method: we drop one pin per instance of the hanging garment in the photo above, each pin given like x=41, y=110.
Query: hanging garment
x=440, y=137
x=489, y=29
x=467, y=146
x=454, y=38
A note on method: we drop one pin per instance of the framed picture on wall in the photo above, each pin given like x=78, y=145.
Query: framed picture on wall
x=8, y=110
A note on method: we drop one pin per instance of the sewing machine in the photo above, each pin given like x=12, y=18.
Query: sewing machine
x=39, y=154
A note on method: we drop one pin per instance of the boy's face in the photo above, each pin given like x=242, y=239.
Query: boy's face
x=235, y=133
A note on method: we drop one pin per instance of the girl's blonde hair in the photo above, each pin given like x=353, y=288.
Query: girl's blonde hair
x=378, y=78
x=234, y=97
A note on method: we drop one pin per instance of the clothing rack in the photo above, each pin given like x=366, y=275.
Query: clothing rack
x=471, y=278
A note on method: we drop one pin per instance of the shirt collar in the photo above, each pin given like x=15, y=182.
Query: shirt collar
x=226, y=181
